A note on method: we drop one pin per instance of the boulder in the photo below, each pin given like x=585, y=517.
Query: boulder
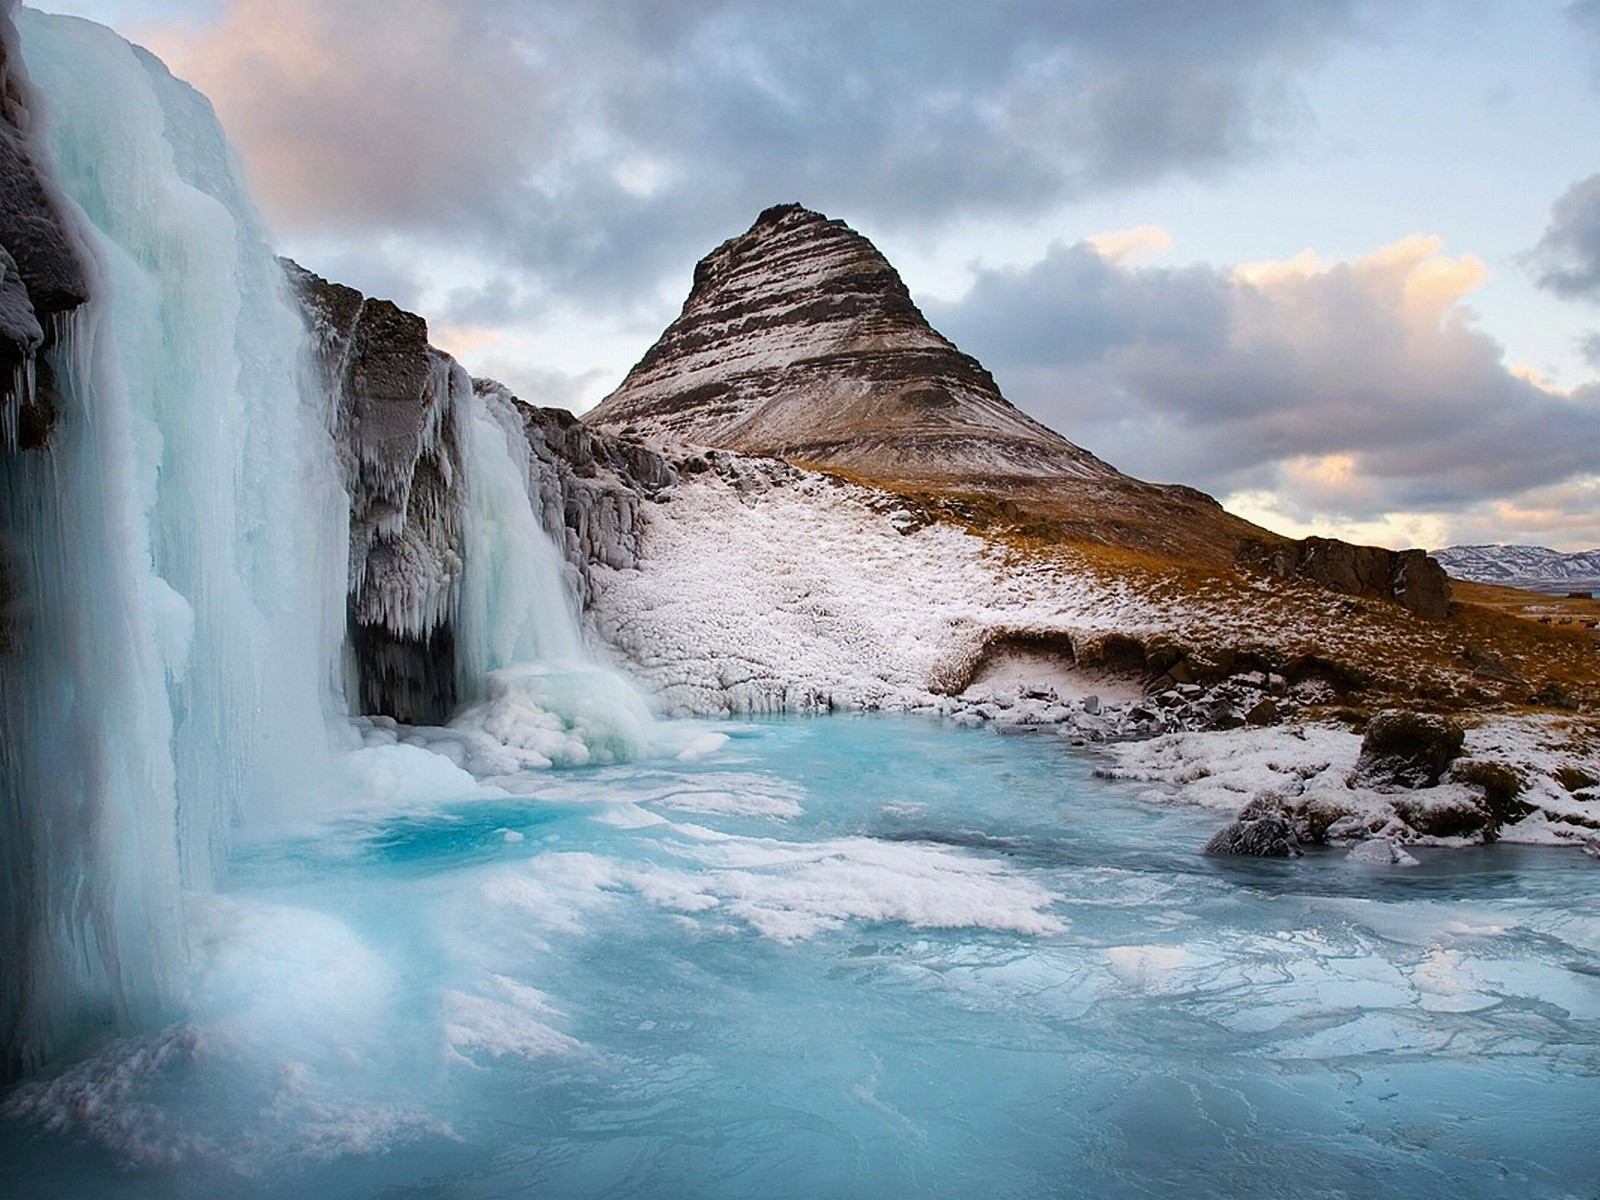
x=1261, y=830
x=1263, y=712
x=1406, y=749
x=1410, y=577
x=1381, y=852
x=1451, y=815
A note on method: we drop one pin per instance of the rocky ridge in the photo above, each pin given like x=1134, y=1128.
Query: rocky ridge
x=1533, y=568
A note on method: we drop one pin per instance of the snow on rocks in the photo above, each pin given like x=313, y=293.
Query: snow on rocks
x=760, y=587
x=1308, y=772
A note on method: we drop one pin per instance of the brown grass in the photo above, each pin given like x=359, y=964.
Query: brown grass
x=1179, y=554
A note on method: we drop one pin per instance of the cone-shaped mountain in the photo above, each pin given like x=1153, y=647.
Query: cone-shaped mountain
x=800, y=341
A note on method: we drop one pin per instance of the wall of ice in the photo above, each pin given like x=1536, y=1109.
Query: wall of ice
x=176, y=554
x=226, y=525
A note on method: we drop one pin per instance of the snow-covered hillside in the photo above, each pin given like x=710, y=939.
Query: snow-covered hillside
x=1536, y=568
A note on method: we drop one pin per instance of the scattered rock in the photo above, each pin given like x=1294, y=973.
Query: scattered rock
x=1261, y=830
x=1406, y=749
x=1486, y=664
x=1381, y=852
x=1263, y=712
x=1553, y=695
x=1318, y=816
x=1575, y=780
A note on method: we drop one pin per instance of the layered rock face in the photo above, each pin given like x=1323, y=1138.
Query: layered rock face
x=1408, y=576
x=800, y=341
x=399, y=424
x=43, y=274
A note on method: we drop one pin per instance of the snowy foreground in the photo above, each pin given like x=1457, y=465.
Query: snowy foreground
x=765, y=589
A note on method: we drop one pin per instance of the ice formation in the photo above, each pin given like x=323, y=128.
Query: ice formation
x=181, y=544
x=178, y=543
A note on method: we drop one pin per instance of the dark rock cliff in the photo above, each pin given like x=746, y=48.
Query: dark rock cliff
x=1410, y=577
x=396, y=422
x=398, y=418
x=43, y=273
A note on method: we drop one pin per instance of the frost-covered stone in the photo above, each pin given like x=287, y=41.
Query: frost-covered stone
x=1407, y=749
x=1381, y=852
x=1261, y=830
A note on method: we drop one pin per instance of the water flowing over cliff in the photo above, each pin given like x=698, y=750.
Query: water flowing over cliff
x=176, y=551
x=227, y=537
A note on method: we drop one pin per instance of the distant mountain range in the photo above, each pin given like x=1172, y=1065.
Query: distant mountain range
x=1536, y=568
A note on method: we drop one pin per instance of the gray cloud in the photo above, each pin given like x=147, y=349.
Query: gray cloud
x=592, y=145
x=1569, y=253
x=1358, y=389
x=1585, y=15
x=1589, y=347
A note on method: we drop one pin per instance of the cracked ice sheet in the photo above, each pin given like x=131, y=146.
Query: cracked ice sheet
x=786, y=891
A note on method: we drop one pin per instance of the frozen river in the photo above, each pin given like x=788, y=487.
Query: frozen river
x=853, y=957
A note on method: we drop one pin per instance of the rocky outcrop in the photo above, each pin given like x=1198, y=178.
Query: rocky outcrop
x=398, y=420
x=43, y=273
x=1261, y=830
x=1410, y=577
x=1406, y=750
x=800, y=341
x=399, y=441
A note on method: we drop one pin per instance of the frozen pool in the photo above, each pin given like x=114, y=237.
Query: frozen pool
x=868, y=957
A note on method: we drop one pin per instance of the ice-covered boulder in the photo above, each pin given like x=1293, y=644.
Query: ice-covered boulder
x=1381, y=852
x=1262, y=830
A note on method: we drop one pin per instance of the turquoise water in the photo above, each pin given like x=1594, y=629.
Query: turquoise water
x=846, y=957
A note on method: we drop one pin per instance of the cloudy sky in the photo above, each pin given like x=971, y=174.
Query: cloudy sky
x=1335, y=261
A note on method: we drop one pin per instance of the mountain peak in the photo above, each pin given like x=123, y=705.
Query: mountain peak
x=799, y=340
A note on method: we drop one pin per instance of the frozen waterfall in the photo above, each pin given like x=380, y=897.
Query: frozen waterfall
x=180, y=553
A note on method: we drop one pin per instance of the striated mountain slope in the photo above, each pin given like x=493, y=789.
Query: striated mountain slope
x=800, y=341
